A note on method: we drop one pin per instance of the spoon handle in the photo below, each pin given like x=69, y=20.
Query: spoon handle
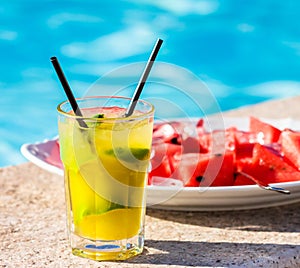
x=276, y=189
x=265, y=186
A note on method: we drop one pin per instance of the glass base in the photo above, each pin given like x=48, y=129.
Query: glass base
x=103, y=250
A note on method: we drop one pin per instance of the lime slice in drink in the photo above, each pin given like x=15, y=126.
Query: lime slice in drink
x=111, y=225
x=127, y=153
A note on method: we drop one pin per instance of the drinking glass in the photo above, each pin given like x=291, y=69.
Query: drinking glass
x=106, y=157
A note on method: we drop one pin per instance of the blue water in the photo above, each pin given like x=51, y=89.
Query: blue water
x=245, y=52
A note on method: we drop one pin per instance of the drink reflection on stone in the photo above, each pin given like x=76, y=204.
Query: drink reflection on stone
x=105, y=176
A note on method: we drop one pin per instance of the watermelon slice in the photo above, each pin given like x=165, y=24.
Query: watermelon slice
x=290, y=144
x=266, y=133
x=54, y=157
x=268, y=166
x=164, y=132
x=205, y=169
x=162, y=160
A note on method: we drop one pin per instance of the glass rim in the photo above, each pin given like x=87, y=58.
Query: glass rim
x=74, y=116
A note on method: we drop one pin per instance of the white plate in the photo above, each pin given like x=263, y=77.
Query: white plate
x=193, y=198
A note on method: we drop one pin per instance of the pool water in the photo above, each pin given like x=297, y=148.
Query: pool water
x=245, y=52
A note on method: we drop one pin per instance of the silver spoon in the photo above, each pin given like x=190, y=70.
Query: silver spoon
x=265, y=186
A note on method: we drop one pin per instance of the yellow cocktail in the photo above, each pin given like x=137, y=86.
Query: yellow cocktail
x=106, y=164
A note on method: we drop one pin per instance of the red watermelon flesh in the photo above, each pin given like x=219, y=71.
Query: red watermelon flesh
x=290, y=144
x=164, y=132
x=269, y=167
x=161, y=161
x=54, y=157
x=219, y=157
x=205, y=169
x=265, y=132
x=244, y=143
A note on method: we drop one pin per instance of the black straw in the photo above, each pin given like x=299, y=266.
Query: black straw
x=143, y=78
x=67, y=90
